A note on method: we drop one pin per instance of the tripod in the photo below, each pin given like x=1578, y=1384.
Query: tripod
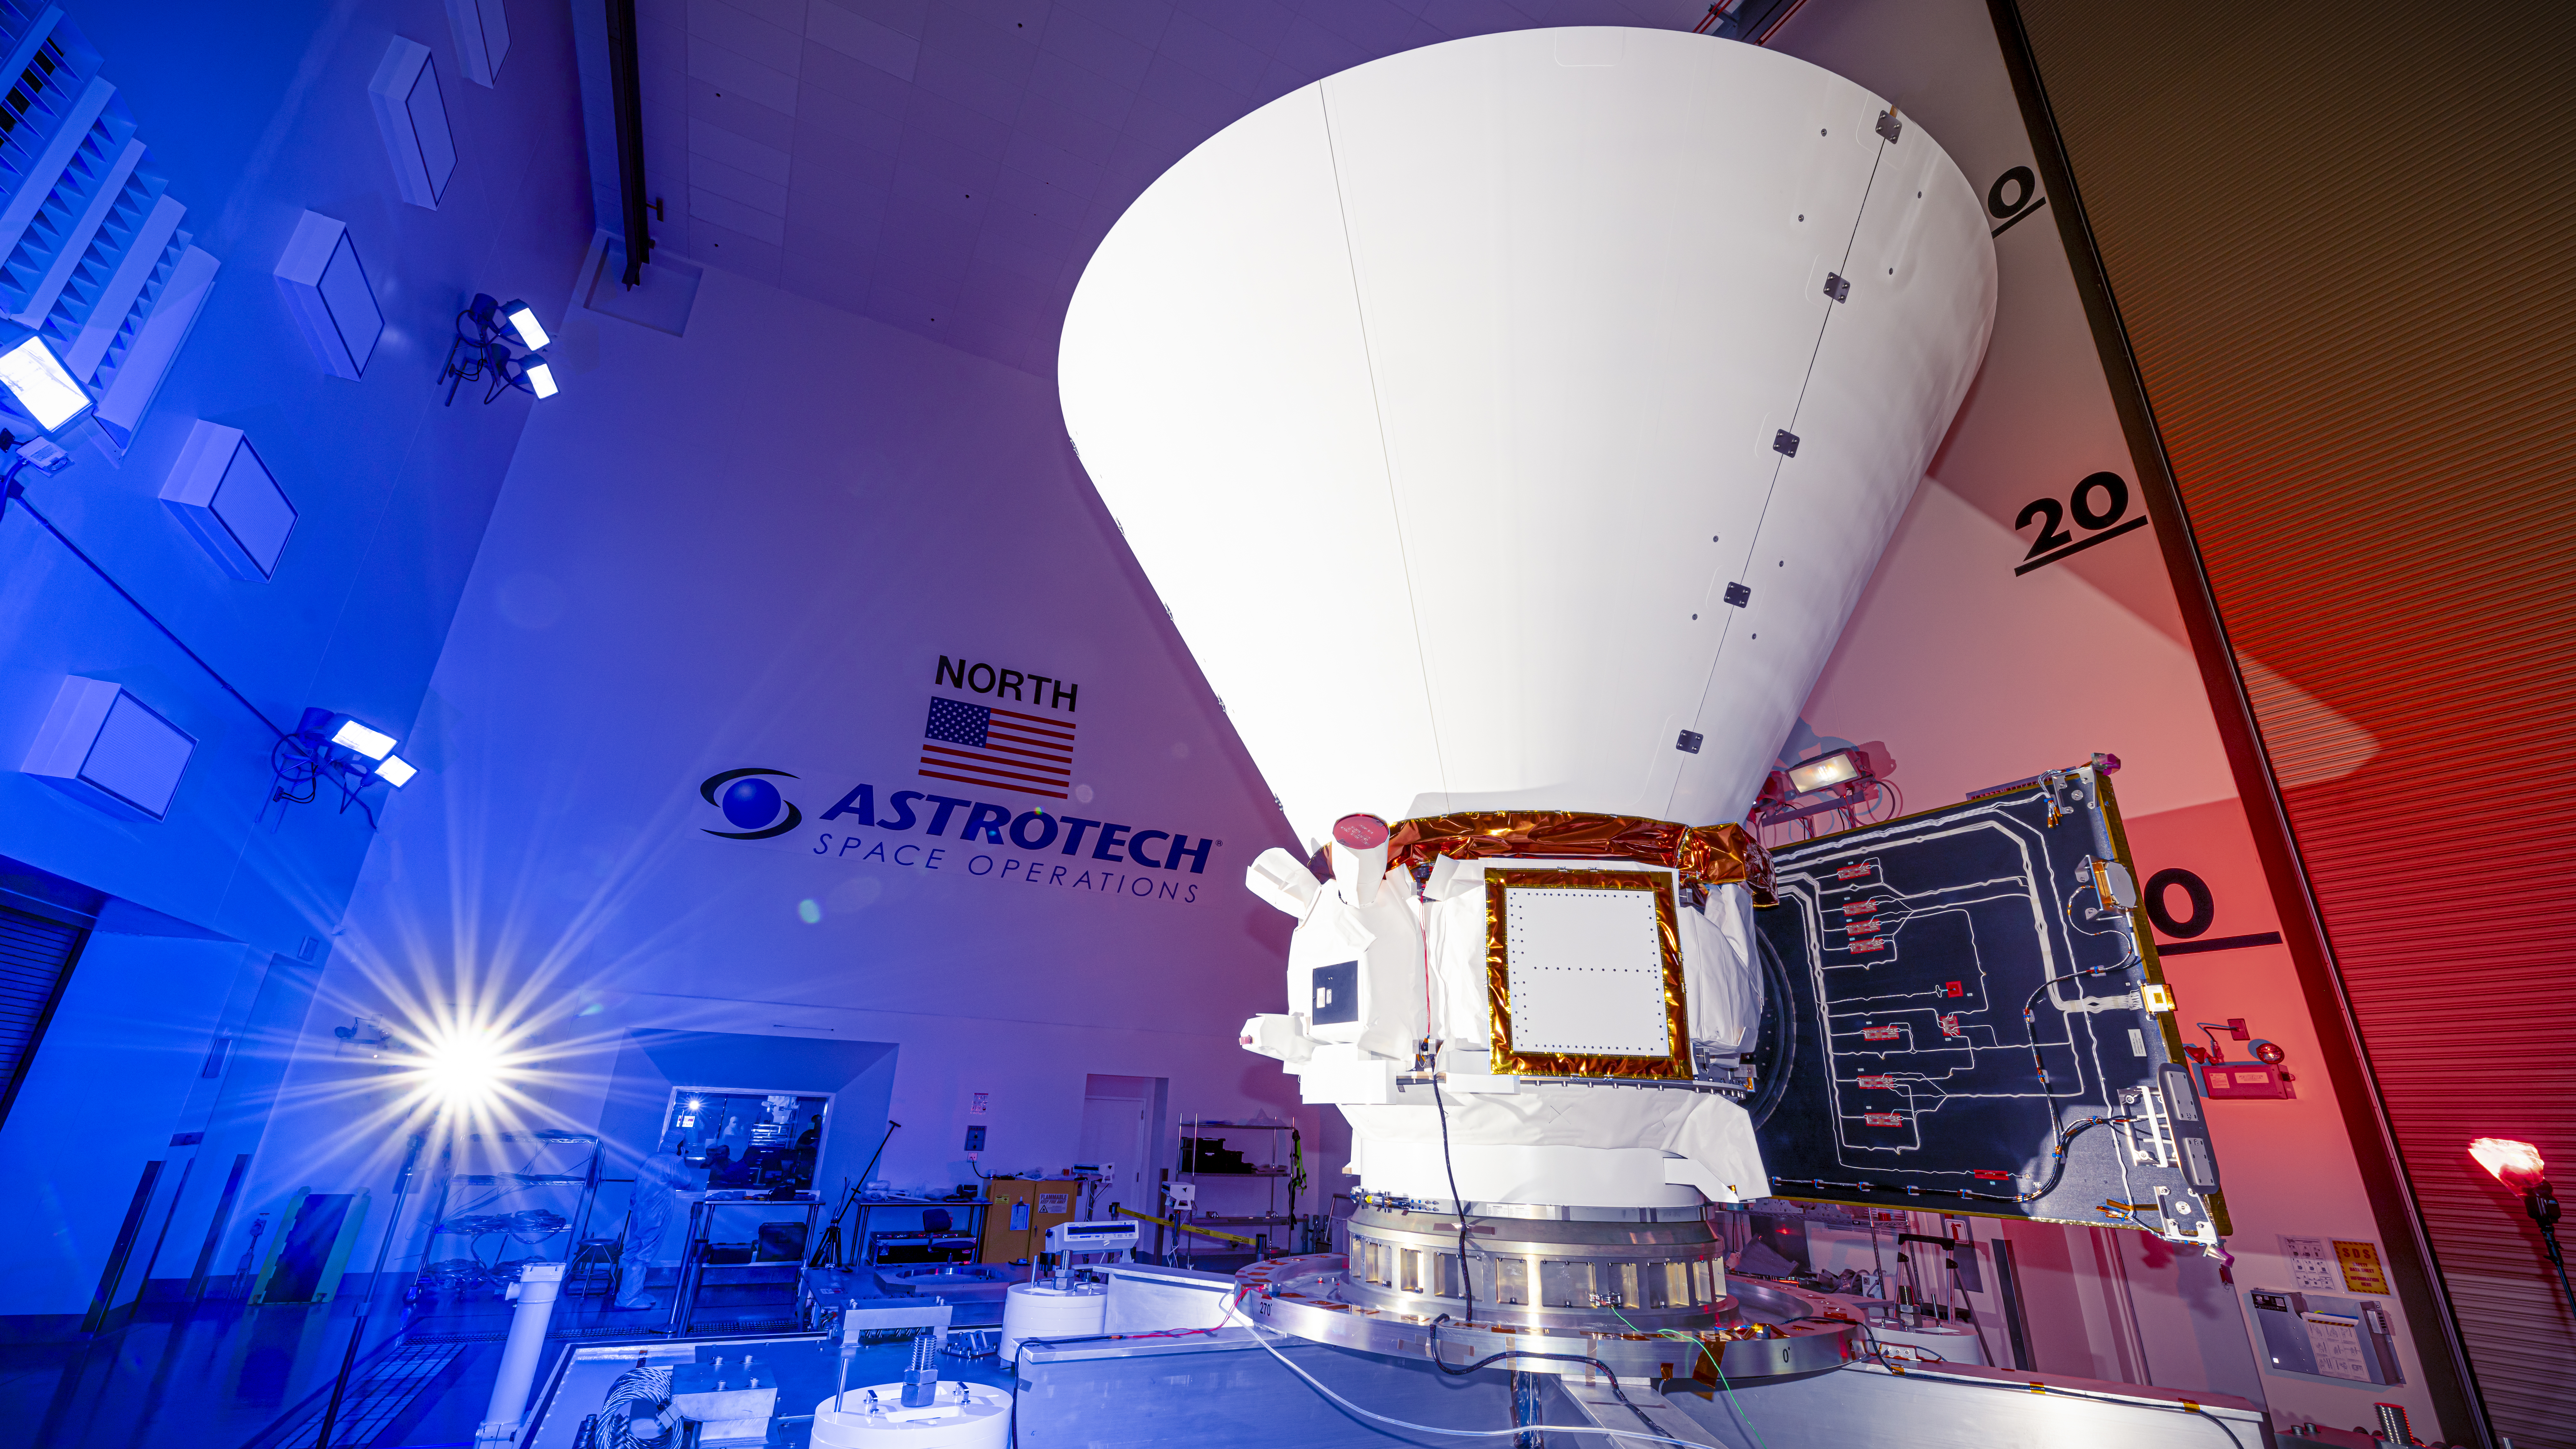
x=2542, y=1204
x=828, y=1252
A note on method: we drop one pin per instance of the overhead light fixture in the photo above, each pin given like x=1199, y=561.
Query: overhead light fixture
x=374, y=744
x=396, y=771
x=2518, y=1166
x=41, y=386
x=532, y=333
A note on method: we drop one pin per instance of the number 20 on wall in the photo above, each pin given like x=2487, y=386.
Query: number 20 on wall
x=2099, y=505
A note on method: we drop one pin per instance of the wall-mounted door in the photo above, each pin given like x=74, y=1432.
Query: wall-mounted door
x=1118, y=1128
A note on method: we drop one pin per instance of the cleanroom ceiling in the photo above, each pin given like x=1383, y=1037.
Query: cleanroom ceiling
x=949, y=167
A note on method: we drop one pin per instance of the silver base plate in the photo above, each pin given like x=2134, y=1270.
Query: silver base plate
x=1310, y=1297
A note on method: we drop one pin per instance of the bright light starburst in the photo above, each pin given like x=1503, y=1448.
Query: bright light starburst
x=464, y=1066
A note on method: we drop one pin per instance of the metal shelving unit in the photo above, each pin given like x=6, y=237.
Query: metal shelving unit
x=500, y=1206
x=1272, y=1173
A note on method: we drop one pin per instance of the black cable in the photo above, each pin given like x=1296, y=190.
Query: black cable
x=487, y=351
x=2057, y=1172
x=2222, y=1425
x=17, y=492
x=1606, y=1371
x=2030, y=1026
x=294, y=765
x=1466, y=1273
x=1776, y=1034
x=1868, y=1335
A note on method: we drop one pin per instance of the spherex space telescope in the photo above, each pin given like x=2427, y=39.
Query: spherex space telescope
x=1511, y=425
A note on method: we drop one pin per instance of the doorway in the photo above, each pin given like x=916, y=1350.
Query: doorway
x=1118, y=1130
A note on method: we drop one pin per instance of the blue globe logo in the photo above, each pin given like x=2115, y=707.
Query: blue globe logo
x=750, y=802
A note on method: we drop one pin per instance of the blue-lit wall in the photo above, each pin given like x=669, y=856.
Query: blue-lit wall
x=750, y=546
x=255, y=114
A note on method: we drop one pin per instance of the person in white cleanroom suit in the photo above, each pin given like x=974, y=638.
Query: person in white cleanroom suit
x=659, y=1181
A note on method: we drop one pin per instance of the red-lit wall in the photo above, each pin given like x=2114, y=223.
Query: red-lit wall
x=2339, y=244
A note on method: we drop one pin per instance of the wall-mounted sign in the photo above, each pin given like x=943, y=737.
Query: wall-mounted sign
x=993, y=747
x=2362, y=1272
x=2312, y=1262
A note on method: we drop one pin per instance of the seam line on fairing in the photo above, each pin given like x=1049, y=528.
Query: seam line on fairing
x=1386, y=454
x=1753, y=549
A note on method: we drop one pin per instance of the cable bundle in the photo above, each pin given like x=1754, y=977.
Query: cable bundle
x=637, y=1388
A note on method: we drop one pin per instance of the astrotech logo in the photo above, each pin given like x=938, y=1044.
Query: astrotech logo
x=751, y=802
x=914, y=831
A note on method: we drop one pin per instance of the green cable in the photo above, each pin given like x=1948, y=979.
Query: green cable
x=1714, y=1361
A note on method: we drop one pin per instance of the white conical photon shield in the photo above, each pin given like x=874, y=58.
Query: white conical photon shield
x=1447, y=402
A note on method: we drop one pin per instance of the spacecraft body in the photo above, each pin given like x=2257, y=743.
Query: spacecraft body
x=1511, y=425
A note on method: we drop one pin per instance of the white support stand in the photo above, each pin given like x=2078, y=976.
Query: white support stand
x=535, y=1291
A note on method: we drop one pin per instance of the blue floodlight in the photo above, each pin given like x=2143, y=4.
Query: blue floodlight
x=42, y=385
x=374, y=744
x=532, y=333
x=396, y=771
x=539, y=373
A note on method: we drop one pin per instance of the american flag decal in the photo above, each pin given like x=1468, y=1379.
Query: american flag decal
x=975, y=744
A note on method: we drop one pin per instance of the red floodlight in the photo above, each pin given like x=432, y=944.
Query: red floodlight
x=2515, y=1164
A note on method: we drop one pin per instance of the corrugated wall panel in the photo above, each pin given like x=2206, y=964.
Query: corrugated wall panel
x=35, y=957
x=2343, y=243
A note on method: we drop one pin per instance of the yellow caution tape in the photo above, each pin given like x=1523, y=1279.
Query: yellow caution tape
x=1180, y=1227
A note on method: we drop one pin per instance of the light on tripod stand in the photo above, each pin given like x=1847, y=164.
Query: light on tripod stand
x=341, y=750
x=2518, y=1166
x=1831, y=769
x=481, y=352
x=463, y=1065
x=1842, y=782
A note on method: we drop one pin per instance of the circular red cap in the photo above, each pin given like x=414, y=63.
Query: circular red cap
x=1360, y=832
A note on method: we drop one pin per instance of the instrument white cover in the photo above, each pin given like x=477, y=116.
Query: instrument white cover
x=1439, y=401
